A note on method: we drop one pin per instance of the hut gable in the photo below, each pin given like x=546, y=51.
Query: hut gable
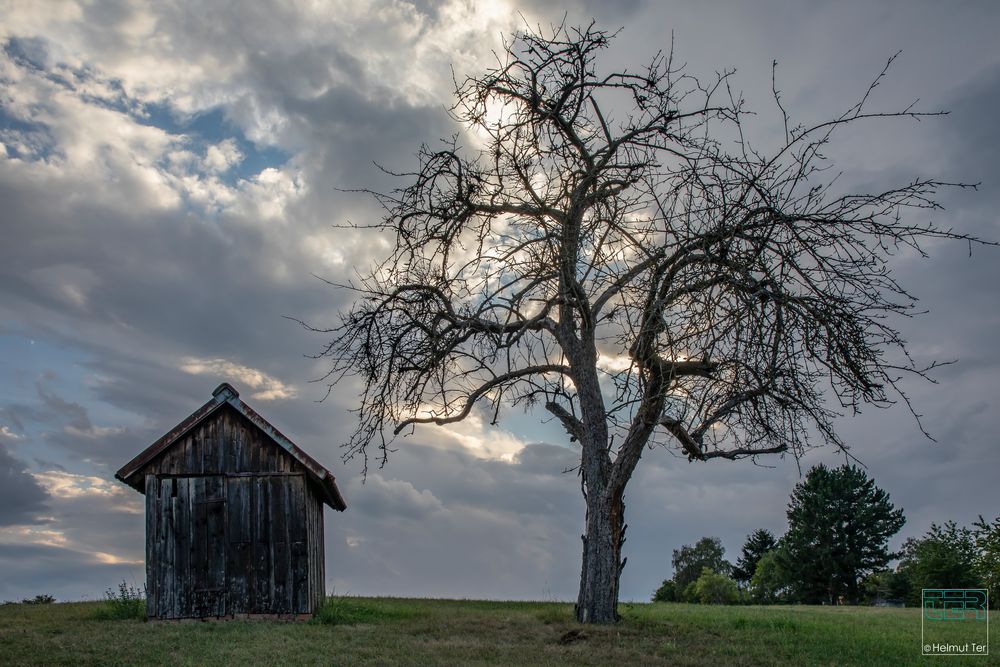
x=227, y=436
x=234, y=516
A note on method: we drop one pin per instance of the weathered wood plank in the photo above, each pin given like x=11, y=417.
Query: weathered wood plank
x=152, y=542
x=216, y=534
x=280, y=560
x=168, y=547
x=317, y=583
x=199, y=534
x=299, y=554
x=320, y=548
x=262, y=574
x=238, y=535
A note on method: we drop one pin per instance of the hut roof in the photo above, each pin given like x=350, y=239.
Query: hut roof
x=224, y=395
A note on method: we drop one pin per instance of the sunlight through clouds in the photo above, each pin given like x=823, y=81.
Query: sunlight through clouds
x=111, y=559
x=65, y=485
x=478, y=437
x=32, y=535
x=267, y=388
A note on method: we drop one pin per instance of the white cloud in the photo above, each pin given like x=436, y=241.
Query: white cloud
x=476, y=436
x=111, y=559
x=32, y=535
x=66, y=485
x=614, y=363
x=94, y=432
x=222, y=156
x=267, y=388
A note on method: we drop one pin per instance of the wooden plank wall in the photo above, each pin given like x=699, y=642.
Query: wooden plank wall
x=315, y=556
x=227, y=442
x=226, y=539
x=239, y=548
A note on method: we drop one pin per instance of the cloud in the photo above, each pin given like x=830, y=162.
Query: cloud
x=379, y=496
x=64, y=485
x=66, y=426
x=22, y=498
x=267, y=388
x=222, y=156
x=477, y=436
x=33, y=569
x=89, y=524
x=459, y=518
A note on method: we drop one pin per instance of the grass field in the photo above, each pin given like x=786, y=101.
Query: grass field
x=380, y=631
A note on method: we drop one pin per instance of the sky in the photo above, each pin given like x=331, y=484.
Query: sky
x=171, y=179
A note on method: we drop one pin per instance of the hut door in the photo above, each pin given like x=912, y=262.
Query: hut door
x=187, y=550
x=208, y=546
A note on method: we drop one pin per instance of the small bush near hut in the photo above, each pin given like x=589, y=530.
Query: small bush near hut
x=128, y=602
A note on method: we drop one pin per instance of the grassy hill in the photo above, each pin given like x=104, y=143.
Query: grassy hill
x=380, y=631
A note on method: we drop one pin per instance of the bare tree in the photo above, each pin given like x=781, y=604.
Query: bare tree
x=619, y=253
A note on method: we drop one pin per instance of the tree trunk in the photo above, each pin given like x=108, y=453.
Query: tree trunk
x=602, y=563
x=605, y=527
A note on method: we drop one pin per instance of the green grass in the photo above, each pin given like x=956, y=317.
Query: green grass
x=379, y=631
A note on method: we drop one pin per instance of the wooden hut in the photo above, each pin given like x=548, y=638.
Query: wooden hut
x=234, y=516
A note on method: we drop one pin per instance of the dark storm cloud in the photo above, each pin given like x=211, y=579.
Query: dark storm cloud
x=111, y=449
x=961, y=412
x=21, y=497
x=457, y=517
x=460, y=520
x=67, y=426
x=969, y=146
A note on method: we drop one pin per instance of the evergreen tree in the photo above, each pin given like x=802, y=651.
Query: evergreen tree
x=839, y=525
x=758, y=543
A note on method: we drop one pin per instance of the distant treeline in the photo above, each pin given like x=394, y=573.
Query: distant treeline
x=836, y=552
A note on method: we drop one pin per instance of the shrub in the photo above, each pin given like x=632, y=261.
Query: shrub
x=128, y=602
x=770, y=581
x=39, y=599
x=713, y=588
x=667, y=592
